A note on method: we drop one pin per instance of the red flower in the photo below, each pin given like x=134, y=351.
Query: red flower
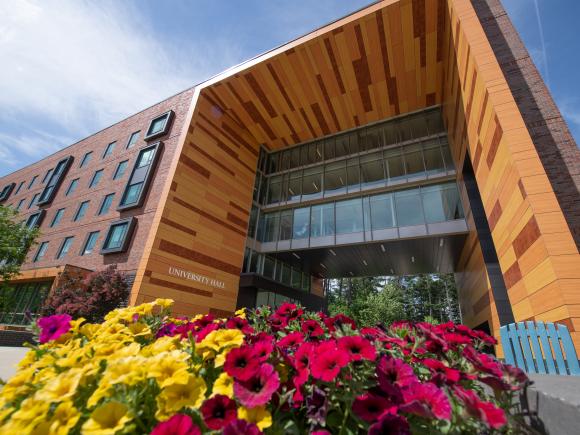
x=204, y=332
x=218, y=411
x=179, y=424
x=239, y=323
x=427, y=401
x=487, y=412
x=394, y=374
x=328, y=361
x=369, y=407
x=303, y=356
x=241, y=427
x=52, y=327
x=241, y=363
x=258, y=389
x=289, y=310
x=312, y=328
x=456, y=339
x=291, y=340
x=337, y=321
x=278, y=322
x=390, y=424
x=358, y=348
x=263, y=349
x=441, y=373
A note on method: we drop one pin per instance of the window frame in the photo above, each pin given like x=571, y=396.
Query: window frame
x=99, y=173
x=32, y=182
x=76, y=217
x=7, y=191
x=86, y=159
x=68, y=189
x=100, y=211
x=37, y=257
x=35, y=219
x=129, y=144
x=47, y=175
x=146, y=179
x=33, y=201
x=116, y=175
x=86, y=243
x=131, y=222
x=169, y=115
x=59, y=254
x=53, y=224
x=109, y=149
x=19, y=187
x=66, y=164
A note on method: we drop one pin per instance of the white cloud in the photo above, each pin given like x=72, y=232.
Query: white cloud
x=78, y=67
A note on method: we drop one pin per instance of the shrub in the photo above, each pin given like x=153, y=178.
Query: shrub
x=91, y=297
x=290, y=371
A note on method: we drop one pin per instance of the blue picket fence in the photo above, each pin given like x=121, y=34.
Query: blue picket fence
x=540, y=347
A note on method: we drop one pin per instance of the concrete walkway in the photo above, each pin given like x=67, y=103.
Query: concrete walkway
x=9, y=357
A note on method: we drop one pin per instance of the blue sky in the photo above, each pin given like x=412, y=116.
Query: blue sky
x=71, y=68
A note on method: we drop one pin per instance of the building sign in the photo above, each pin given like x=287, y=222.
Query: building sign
x=192, y=276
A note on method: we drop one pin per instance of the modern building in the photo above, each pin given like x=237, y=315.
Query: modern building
x=410, y=136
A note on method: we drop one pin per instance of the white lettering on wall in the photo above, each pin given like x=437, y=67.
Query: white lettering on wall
x=196, y=277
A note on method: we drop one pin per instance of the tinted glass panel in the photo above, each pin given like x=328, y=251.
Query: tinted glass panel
x=86, y=159
x=301, y=223
x=433, y=158
x=121, y=168
x=312, y=183
x=146, y=157
x=91, y=242
x=82, y=210
x=271, y=224
x=372, y=170
x=41, y=251
x=441, y=203
x=286, y=225
x=96, y=178
x=133, y=139
x=64, y=248
x=57, y=217
x=322, y=220
x=72, y=186
x=382, y=213
x=408, y=205
x=394, y=162
x=349, y=216
x=106, y=204
x=414, y=160
x=109, y=150
x=294, y=186
x=335, y=178
x=132, y=193
x=116, y=236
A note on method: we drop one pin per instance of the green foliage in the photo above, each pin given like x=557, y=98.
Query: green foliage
x=372, y=301
x=16, y=239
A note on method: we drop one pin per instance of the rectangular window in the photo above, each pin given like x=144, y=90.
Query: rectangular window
x=35, y=220
x=64, y=247
x=118, y=236
x=19, y=187
x=140, y=178
x=301, y=223
x=382, y=212
x=82, y=210
x=395, y=167
x=286, y=225
x=322, y=220
x=335, y=178
x=20, y=204
x=109, y=150
x=372, y=170
x=32, y=182
x=159, y=126
x=408, y=206
x=86, y=159
x=47, y=175
x=106, y=204
x=34, y=200
x=133, y=139
x=349, y=216
x=121, y=168
x=72, y=187
x=269, y=226
x=90, y=243
x=433, y=158
x=57, y=217
x=96, y=178
x=55, y=181
x=441, y=203
x=41, y=252
x=6, y=191
x=312, y=183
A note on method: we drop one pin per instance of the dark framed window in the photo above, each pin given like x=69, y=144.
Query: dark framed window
x=40, y=252
x=121, y=168
x=34, y=200
x=20, y=204
x=64, y=247
x=81, y=211
x=6, y=191
x=159, y=125
x=47, y=175
x=35, y=219
x=96, y=178
x=72, y=186
x=55, y=180
x=57, y=218
x=90, y=243
x=133, y=139
x=136, y=187
x=106, y=204
x=109, y=150
x=32, y=181
x=86, y=159
x=19, y=187
x=118, y=236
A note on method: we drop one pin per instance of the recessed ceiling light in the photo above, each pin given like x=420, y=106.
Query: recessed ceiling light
x=383, y=248
x=412, y=259
x=332, y=252
x=322, y=265
x=365, y=263
x=296, y=255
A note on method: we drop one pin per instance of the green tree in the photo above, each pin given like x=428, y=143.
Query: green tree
x=16, y=239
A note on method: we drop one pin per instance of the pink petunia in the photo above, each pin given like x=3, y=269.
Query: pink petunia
x=303, y=356
x=390, y=424
x=394, y=374
x=312, y=328
x=218, y=411
x=358, y=348
x=52, y=327
x=241, y=427
x=327, y=361
x=258, y=389
x=292, y=340
x=441, y=373
x=487, y=412
x=241, y=363
x=179, y=424
x=369, y=407
x=426, y=400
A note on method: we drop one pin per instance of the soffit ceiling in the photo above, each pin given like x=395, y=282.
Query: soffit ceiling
x=382, y=61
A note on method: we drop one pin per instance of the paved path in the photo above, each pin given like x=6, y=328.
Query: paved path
x=9, y=357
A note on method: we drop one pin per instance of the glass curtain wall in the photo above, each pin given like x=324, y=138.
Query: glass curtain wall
x=274, y=269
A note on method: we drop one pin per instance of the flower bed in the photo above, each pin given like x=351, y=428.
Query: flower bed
x=141, y=371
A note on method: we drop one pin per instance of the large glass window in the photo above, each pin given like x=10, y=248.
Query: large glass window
x=57, y=217
x=353, y=174
x=90, y=243
x=96, y=178
x=270, y=227
x=349, y=216
x=106, y=204
x=6, y=191
x=81, y=211
x=441, y=203
x=372, y=170
x=301, y=223
x=294, y=186
x=64, y=247
x=408, y=206
x=433, y=157
x=322, y=220
x=55, y=181
x=286, y=224
x=395, y=167
x=335, y=178
x=274, y=189
x=35, y=219
x=342, y=148
x=136, y=188
x=118, y=236
x=159, y=125
x=269, y=267
x=41, y=252
x=382, y=212
x=312, y=183
x=414, y=160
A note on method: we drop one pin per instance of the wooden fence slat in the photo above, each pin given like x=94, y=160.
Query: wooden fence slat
x=521, y=328
x=513, y=333
x=506, y=344
x=571, y=357
x=535, y=339
x=556, y=347
x=546, y=348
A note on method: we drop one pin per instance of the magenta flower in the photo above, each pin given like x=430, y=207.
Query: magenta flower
x=358, y=348
x=487, y=412
x=390, y=424
x=241, y=363
x=218, y=411
x=179, y=424
x=370, y=407
x=426, y=400
x=52, y=327
x=394, y=374
x=312, y=328
x=241, y=427
x=258, y=389
x=291, y=340
x=328, y=361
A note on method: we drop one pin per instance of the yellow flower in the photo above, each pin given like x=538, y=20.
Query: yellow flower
x=164, y=303
x=259, y=415
x=241, y=313
x=64, y=419
x=162, y=344
x=224, y=384
x=32, y=411
x=89, y=330
x=107, y=419
x=128, y=370
x=60, y=388
x=221, y=338
x=169, y=368
x=101, y=391
x=178, y=396
x=139, y=329
x=28, y=359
